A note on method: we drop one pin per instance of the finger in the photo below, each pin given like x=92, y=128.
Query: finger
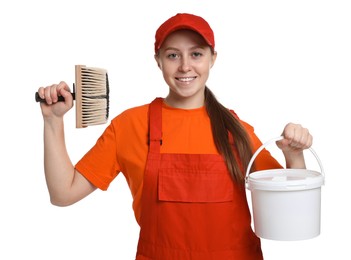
x=301, y=138
x=62, y=86
x=54, y=93
x=64, y=91
x=288, y=135
x=306, y=138
x=292, y=136
x=41, y=92
x=48, y=94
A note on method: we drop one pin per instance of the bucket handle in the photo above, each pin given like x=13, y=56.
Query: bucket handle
x=274, y=140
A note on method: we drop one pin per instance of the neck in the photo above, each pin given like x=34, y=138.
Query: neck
x=184, y=103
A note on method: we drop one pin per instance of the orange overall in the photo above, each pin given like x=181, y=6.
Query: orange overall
x=190, y=207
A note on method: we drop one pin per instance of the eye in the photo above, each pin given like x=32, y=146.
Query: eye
x=172, y=56
x=196, y=54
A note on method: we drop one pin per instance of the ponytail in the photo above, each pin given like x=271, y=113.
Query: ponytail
x=230, y=137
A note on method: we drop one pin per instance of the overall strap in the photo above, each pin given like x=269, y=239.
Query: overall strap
x=155, y=125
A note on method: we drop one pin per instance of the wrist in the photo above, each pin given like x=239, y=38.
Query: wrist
x=295, y=159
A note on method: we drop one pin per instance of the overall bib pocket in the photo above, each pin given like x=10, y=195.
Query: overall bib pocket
x=181, y=185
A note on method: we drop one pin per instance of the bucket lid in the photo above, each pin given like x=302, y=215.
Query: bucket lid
x=285, y=180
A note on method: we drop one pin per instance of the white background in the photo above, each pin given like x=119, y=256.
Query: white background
x=278, y=61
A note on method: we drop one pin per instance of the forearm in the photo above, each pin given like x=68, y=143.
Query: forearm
x=59, y=170
x=295, y=160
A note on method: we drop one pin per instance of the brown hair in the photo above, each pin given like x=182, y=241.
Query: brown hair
x=230, y=137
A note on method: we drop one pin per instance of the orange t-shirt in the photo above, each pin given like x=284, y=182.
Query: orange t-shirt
x=123, y=147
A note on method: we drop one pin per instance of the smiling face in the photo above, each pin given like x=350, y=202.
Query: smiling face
x=185, y=60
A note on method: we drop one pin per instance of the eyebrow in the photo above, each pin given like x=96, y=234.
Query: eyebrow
x=192, y=48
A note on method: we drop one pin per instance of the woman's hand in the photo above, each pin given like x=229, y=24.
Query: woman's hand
x=296, y=139
x=52, y=107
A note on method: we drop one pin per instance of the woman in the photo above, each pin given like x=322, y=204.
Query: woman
x=184, y=156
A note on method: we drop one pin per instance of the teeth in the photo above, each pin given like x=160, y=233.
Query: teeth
x=185, y=79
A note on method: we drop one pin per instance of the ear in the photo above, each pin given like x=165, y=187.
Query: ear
x=214, y=57
x=157, y=59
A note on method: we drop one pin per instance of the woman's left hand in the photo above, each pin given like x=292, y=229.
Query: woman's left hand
x=296, y=139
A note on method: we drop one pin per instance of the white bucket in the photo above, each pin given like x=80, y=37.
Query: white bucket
x=286, y=203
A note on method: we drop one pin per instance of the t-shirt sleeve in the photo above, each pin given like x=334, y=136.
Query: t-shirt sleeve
x=264, y=160
x=99, y=165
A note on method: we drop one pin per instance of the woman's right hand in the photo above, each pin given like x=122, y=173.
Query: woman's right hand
x=52, y=107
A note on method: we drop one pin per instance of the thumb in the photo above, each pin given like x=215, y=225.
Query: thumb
x=67, y=95
x=283, y=143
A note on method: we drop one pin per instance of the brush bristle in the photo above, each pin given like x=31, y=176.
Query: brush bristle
x=92, y=96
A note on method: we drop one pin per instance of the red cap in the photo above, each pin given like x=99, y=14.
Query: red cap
x=184, y=21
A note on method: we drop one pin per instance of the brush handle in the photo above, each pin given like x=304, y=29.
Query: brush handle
x=60, y=98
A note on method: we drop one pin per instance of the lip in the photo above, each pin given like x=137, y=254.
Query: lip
x=186, y=79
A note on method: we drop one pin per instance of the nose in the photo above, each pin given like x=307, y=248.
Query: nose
x=185, y=64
